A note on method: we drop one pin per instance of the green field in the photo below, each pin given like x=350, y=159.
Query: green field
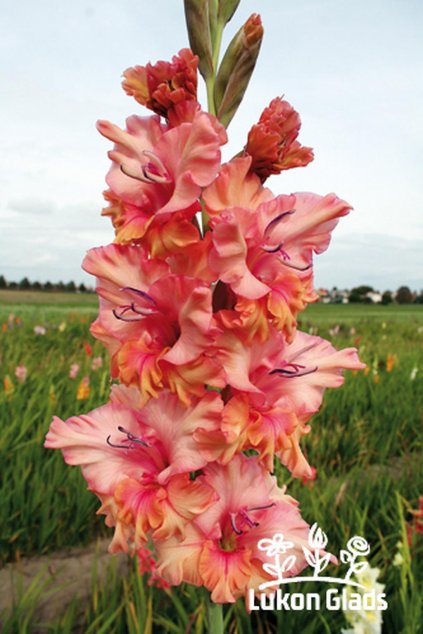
x=365, y=443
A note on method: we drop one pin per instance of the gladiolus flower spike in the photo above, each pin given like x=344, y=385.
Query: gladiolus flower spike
x=200, y=323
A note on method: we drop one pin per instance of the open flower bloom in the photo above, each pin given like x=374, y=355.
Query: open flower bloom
x=138, y=461
x=235, y=186
x=272, y=142
x=161, y=86
x=193, y=261
x=275, y=389
x=158, y=171
x=158, y=327
x=220, y=550
x=264, y=251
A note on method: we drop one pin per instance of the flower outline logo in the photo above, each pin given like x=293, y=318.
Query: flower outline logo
x=277, y=548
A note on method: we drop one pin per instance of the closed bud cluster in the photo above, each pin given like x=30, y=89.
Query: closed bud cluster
x=272, y=142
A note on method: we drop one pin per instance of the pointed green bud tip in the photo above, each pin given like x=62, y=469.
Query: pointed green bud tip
x=237, y=67
x=226, y=10
x=198, y=26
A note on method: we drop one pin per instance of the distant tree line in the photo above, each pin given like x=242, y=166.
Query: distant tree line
x=366, y=294
x=363, y=294
x=26, y=285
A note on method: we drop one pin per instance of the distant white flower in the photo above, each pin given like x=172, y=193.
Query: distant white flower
x=365, y=621
x=398, y=559
x=39, y=330
x=413, y=373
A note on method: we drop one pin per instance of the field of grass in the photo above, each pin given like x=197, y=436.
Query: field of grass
x=14, y=298
x=365, y=443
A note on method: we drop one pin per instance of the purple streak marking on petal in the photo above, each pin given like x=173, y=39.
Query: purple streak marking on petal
x=290, y=374
x=277, y=220
x=297, y=268
x=142, y=294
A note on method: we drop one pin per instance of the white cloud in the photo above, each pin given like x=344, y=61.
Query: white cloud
x=33, y=206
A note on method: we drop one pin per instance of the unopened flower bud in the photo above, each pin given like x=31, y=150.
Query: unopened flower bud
x=198, y=26
x=272, y=142
x=237, y=67
x=162, y=86
x=220, y=13
x=227, y=9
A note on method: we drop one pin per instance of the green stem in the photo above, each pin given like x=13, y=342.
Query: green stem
x=210, y=94
x=211, y=79
x=210, y=82
x=217, y=44
x=204, y=217
x=214, y=616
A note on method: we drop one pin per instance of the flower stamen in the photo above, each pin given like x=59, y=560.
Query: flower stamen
x=293, y=370
x=133, y=440
x=121, y=315
x=235, y=529
x=136, y=177
x=152, y=171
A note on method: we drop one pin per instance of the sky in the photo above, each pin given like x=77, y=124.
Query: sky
x=353, y=70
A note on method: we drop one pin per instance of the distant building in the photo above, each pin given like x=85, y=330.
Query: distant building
x=323, y=294
x=374, y=296
x=334, y=296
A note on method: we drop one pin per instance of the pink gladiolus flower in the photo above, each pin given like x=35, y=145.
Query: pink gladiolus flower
x=220, y=550
x=235, y=187
x=160, y=87
x=264, y=251
x=276, y=388
x=309, y=480
x=157, y=326
x=138, y=462
x=73, y=371
x=283, y=232
x=21, y=372
x=147, y=565
x=272, y=141
x=96, y=363
x=158, y=171
x=200, y=323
